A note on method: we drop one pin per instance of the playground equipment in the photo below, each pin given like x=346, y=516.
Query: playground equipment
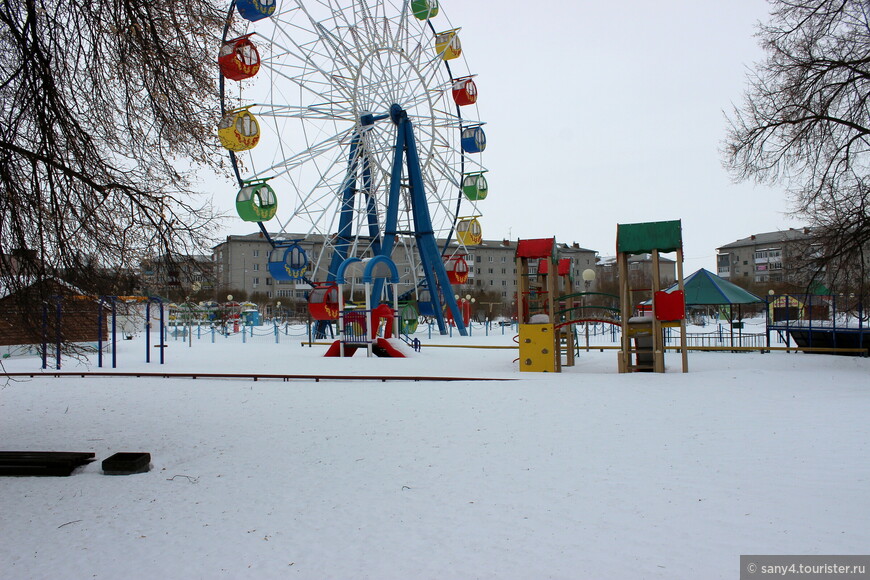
x=548, y=309
x=565, y=302
x=367, y=114
x=668, y=309
x=536, y=291
x=360, y=328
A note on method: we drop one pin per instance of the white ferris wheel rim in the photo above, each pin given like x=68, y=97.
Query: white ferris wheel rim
x=326, y=63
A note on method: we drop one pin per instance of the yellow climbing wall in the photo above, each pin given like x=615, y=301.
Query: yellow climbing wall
x=537, y=348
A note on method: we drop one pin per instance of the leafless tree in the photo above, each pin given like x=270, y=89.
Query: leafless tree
x=108, y=109
x=805, y=123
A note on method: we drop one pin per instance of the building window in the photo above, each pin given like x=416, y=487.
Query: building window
x=268, y=281
x=256, y=253
x=256, y=267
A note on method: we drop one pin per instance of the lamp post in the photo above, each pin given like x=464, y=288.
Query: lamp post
x=588, y=278
x=189, y=323
x=278, y=309
x=465, y=306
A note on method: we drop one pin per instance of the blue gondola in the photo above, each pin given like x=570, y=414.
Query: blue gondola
x=473, y=139
x=291, y=264
x=254, y=10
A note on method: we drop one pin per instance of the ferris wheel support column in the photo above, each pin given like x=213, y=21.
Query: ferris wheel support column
x=430, y=257
x=391, y=218
x=345, y=220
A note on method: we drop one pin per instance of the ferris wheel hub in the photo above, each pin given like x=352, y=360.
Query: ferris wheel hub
x=397, y=113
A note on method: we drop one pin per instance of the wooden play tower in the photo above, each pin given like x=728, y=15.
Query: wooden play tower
x=536, y=311
x=643, y=343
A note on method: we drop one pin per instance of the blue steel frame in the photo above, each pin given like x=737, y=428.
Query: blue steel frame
x=406, y=147
x=405, y=156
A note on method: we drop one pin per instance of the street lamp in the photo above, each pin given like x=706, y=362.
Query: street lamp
x=229, y=305
x=588, y=278
x=189, y=322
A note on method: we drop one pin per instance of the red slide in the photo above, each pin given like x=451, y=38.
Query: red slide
x=384, y=347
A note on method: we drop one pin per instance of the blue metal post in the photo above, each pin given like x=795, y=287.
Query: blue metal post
x=58, y=328
x=114, y=333
x=100, y=332
x=148, y=331
x=44, y=335
x=162, y=330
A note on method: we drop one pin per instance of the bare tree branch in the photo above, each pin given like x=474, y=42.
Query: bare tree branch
x=805, y=122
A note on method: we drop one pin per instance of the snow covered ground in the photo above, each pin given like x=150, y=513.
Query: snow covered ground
x=583, y=474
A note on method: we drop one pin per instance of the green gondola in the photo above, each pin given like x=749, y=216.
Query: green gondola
x=474, y=186
x=256, y=201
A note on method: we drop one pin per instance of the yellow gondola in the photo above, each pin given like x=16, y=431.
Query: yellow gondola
x=469, y=232
x=447, y=44
x=239, y=130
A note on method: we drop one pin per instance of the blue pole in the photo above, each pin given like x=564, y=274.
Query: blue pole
x=44, y=335
x=148, y=331
x=59, y=335
x=100, y=332
x=162, y=330
x=114, y=334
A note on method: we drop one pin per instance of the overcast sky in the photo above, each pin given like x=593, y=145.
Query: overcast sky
x=601, y=113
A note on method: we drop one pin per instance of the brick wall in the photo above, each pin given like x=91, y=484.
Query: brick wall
x=22, y=322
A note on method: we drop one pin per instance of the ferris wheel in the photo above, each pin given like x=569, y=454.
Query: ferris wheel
x=353, y=131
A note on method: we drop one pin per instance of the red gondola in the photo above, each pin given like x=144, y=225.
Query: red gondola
x=239, y=59
x=323, y=301
x=457, y=269
x=464, y=91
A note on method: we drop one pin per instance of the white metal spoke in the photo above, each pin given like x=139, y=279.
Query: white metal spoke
x=325, y=63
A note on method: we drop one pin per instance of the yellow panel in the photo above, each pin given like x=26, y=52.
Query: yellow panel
x=447, y=44
x=538, y=350
x=238, y=130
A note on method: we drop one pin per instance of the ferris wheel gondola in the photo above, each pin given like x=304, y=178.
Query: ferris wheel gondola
x=366, y=129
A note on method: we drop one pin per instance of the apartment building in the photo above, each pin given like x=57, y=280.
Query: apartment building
x=492, y=266
x=241, y=264
x=640, y=270
x=177, y=277
x=770, y=257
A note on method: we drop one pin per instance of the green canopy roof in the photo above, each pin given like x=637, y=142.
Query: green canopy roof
x=645, y=237
x=703, y=287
